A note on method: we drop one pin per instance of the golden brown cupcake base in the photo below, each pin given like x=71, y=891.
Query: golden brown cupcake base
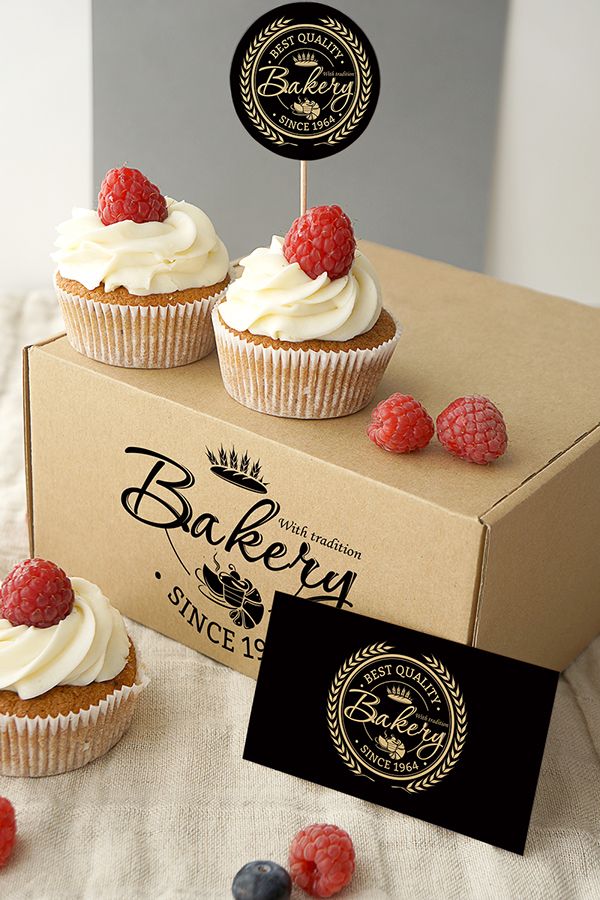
x=66, y=698
x=36, y=740
x=121, y=296
x=383, y=330
x=161, y=331
x=308, y=379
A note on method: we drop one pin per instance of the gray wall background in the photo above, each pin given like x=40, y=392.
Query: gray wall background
x=419, y=178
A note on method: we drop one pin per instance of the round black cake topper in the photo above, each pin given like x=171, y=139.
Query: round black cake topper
x=305, y=80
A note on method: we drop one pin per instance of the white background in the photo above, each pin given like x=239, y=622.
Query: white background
x=46, y=121
x=545, y=219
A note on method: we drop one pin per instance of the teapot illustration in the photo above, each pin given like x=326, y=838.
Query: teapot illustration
x=237, y=594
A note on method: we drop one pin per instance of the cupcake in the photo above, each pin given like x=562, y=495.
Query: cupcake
x=69, y=676
x=302, y=332
x=138, y=278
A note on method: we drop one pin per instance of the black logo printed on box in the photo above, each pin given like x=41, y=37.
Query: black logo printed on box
x=429, y=727
x=304, y=80
x=235, y=552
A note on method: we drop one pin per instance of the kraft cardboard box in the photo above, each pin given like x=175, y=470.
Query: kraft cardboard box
x=190, y=510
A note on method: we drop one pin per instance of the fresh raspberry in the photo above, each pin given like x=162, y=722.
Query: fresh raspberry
x=127, y=194
x=400, y=424
x=322, y=860
x=322, y=240
x=8, y=829
x=473, y=428
x=36, y=592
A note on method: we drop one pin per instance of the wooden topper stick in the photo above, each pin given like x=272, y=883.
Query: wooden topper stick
x=303, y=185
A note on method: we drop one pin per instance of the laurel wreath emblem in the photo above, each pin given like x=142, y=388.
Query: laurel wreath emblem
x=252, y=110
x=245, y=90
x=336, y=686
x=366, y=83
x=460, y=735
x=458, y=740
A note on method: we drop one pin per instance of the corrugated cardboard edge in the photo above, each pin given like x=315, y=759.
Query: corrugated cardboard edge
x=478, y=604
x=27, y=435
x=478, y=587
x=542, y=469
x=525, y=489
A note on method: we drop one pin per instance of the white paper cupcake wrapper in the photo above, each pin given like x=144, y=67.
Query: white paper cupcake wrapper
x=300, y=384
x=139, y=337
x=34, y=747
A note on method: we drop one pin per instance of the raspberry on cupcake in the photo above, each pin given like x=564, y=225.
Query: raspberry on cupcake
x=69, y=677
x=302, y=332
x=126, y=194
x=321, y=241
x=137, y=279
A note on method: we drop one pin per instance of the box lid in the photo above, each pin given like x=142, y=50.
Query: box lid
x=535, y=355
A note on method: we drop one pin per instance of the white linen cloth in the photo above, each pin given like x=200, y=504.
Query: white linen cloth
x=174, y=811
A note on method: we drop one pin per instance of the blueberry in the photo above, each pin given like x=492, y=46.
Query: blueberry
x=262, y=880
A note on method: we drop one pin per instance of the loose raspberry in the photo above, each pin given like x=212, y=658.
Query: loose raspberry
x=127, y=194
x=400, y=424
x=322, y=860
x=473, y=428
x=322, y=240
x=36, y=592
x=8, y=829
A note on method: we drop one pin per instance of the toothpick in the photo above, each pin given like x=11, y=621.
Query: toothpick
x=303, y=185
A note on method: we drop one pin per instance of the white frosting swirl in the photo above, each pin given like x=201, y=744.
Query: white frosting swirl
x=276, y=298
x=90, y=644
x=182, y=252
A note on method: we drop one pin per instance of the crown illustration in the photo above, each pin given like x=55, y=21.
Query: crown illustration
x=399, y=694
x=305, y=58
x=240, y=471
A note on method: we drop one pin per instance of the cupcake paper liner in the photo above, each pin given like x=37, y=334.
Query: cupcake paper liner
x=300, y=384
x=139, y=337
x=52, y=745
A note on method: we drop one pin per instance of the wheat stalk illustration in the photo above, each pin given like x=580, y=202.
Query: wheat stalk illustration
x=332, y=701
x=460, y=735
x=245, y=90
x=366, y=84
x=230, y=459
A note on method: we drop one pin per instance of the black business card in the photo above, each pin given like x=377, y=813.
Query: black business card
x=429, y=727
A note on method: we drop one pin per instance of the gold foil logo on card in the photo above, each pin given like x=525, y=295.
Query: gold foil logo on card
x=396, y=717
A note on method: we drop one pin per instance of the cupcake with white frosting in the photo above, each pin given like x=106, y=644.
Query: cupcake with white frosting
x=302, y=333
x=69, y=676
x=137, y=279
